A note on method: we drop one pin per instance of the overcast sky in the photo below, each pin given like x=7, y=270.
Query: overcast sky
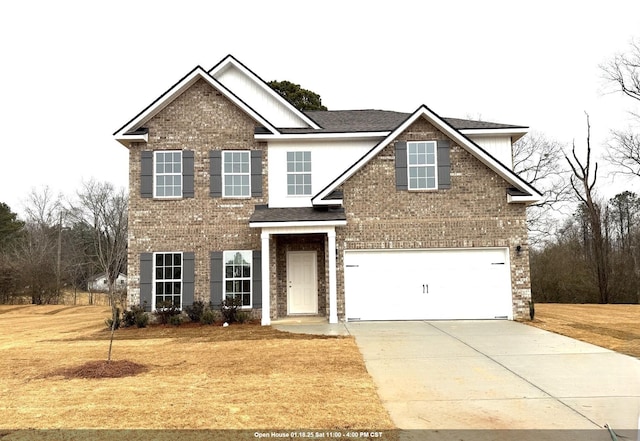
x=73, y=72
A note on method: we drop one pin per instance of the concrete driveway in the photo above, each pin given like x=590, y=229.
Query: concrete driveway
x=494, y=375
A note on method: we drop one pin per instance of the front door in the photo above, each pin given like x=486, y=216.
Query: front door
x=302, y=290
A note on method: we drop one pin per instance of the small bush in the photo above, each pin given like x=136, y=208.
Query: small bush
x=135, y=317
x=242, y=316
x=208, y=317
x=165, y=311
x=195, y=311
x=109, y=321
x=229, y=309
x=175, y=320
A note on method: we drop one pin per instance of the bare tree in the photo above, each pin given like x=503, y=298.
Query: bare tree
x=623, y=72
x=583, y=181
x=539, y=160
x=104, y=210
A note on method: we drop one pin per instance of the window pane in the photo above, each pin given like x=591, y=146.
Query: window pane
x=246, y=300
x=246, y=271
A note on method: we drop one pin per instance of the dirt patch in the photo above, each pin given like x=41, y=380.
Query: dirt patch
x=243, y=377
x=615, y=327
x=101, y=369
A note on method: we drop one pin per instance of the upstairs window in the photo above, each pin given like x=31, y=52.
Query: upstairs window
x=298, y=173
x=422, y=165
x=167, y=174
x=237, y=174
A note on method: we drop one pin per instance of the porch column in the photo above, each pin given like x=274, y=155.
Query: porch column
x=333, y=288
x=266, y=281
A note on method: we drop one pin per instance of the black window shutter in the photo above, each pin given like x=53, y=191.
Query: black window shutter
x=216, y=278
x=401, y=166
x=256, y=173
x=187, y=174
x=146, y=280
x=146, y=174
x=188, y=278
x=256, y=278
x=444, y=164
x=215, y=173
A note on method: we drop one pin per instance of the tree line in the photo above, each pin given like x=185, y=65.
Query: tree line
x=62, y=243
x=585, y=248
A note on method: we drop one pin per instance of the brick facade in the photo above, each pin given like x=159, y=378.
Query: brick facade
x=200, y=119
x=473, y=213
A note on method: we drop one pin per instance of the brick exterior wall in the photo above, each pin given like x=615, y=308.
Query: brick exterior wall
x=201, y=119
x=473, y=213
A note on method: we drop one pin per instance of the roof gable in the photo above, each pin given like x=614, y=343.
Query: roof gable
x=532, y=195
x=131, y=131
x=255, y=91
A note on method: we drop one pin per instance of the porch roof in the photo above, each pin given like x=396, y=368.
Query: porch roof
x=264, y=215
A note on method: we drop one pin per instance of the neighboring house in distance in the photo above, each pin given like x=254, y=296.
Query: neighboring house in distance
x=100, y=283
x=349, y=215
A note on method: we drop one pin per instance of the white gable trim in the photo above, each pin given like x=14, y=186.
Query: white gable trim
x=452, y=133
x=230, y=60
x=320, y=136
x=175, y=91
x=515, y=133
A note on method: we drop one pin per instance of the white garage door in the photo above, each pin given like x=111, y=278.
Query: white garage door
x=433, y=285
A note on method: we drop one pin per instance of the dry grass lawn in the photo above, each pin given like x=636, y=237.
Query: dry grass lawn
x=237, y=377
x=616, y=327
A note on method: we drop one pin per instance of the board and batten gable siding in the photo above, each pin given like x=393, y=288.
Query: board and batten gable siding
x=328, y=160
x=200, y=120
x=500, y=147
x=473, y=212
x=258, y=98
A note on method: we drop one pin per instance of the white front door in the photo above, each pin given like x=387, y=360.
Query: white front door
x=302, y=290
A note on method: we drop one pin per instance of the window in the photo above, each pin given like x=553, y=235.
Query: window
x=236, y=172
x=168, y=174
x=168, y=280
x=237, y=276
x=422, y=165
x=298, y=173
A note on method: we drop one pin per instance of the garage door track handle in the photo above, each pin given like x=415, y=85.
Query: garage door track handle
x=425, y=289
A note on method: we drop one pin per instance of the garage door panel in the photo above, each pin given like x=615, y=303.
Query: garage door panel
x=442, y=284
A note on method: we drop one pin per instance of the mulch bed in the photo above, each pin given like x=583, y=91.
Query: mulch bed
x=101, y=369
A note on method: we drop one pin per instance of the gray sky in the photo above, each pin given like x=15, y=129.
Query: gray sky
x=73, y=72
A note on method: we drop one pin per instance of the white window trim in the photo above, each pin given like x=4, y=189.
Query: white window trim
x=310, y=173
x=435, y=166
x=224, y=276
x=155, y=174
x=153, y=285
x=223, y=174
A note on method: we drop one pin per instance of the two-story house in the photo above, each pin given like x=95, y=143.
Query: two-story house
x=349, y=215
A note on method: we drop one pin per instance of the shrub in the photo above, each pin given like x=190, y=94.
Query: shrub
x=165, y=311
x=109, y=321
x=208, y=317
x=196, y=310
x=135, y=317
x=229, y=309
x=175, y=320
x=242, y=316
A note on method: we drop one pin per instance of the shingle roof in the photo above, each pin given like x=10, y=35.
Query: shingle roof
x=341, y=121
x=298, y=214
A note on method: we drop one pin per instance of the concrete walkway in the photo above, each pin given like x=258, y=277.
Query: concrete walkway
x=493, y=375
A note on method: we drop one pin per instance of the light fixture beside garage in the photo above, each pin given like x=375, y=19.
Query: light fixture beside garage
x=518, y=250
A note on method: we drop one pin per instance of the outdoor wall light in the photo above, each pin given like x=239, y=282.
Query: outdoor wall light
x=518, y=250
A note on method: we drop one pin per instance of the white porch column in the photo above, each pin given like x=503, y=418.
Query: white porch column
x=333, y=284
x=266, y=281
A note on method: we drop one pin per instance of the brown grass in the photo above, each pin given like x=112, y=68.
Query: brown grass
x=237, y=377
x=616, y=327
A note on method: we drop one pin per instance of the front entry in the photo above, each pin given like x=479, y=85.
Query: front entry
x=302, y=289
